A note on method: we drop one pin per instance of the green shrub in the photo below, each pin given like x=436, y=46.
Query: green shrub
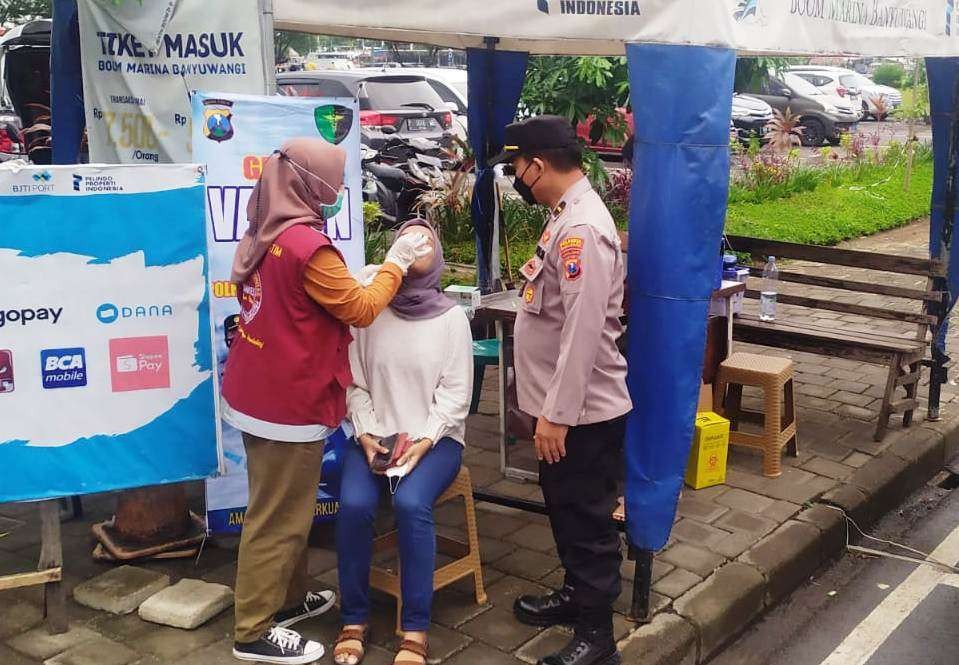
x=889, y=74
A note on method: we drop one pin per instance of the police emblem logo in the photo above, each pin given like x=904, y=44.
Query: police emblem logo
x=570, y=251
x=333, y=122
x=218, y=119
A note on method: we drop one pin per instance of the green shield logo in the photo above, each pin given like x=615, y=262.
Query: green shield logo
x=333, y=122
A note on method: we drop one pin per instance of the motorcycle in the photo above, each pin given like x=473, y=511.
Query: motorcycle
x=397, y=175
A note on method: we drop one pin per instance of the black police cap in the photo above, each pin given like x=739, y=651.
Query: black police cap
x=544, y=132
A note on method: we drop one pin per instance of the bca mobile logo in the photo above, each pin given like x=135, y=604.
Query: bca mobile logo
x=64, y=368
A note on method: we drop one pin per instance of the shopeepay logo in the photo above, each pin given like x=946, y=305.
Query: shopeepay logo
x=591, y=7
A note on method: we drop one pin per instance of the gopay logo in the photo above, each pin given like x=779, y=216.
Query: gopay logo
x=27, y=315
x=64, y=368
x=109, y=313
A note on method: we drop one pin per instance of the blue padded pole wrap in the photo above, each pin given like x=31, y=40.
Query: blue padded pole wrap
x=943, y=74
x=66, y=84
x=681, y=99
x=495, y=84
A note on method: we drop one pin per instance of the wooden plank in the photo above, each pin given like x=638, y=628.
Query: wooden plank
x=905, y=265
x=849, y=308
x=853, y=285
x=30, y=579
x=862, y=337
x=51, y=556
x=877, y=354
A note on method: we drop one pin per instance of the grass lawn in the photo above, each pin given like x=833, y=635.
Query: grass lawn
x=830, y=214
x=854, y=203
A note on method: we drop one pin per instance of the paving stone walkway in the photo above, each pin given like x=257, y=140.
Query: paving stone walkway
x=717, y=541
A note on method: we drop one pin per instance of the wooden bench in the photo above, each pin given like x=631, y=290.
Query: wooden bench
x=904, y=356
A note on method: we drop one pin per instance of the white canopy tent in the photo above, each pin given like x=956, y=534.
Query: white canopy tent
x=600, y=27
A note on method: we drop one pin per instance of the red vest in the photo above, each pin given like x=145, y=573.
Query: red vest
x=288, y=364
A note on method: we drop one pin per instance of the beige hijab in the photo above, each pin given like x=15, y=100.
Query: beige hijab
x=286, y=196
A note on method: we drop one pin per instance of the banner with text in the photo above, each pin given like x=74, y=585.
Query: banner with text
x=140, y=63
x=106, y=377
x=234, y=135
x=603, y=27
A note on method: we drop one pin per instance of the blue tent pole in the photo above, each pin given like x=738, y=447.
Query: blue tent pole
x=943, y=76
x=681, y=107
x=494, y=88
x=66, y=84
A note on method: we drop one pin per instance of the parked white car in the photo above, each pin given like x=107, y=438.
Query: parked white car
x=450, y=85
x=870, y=91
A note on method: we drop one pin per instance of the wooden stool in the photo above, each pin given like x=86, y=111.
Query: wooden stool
x=467, y=554
x=775, y=377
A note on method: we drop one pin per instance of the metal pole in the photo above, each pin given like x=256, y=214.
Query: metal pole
x=642, y=584
x=938, y=372
x=267, y=44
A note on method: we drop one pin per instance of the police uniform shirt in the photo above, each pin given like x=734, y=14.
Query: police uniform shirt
x=568, y=368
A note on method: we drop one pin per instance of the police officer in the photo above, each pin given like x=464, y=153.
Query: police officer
x=571, y=378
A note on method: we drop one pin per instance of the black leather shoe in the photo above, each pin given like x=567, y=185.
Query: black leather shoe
x=588, y=648
x=553, y=609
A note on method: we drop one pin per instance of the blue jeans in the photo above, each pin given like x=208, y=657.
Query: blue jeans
x=413, y=502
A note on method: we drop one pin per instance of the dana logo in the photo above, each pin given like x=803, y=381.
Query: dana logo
x=109, y=313
x=28, y=315
x=745, y=9
x=6, y=371
x=218, y=119
x=139, y=363
x=63, y=368
x=592, y=7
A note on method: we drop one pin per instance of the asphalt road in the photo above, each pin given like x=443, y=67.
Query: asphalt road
x=871, y=611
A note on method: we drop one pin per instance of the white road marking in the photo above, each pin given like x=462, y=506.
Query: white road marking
x=862, y=642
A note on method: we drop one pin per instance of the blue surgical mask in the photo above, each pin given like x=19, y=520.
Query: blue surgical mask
x=331, y=210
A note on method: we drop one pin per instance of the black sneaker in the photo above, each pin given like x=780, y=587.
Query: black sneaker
x=314, y=605
x=279, y=645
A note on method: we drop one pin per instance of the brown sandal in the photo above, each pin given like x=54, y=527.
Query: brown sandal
x=351, y=635
x=415, y=648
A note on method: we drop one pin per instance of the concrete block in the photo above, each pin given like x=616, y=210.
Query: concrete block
x=884, y=480
x=39, y=644
x=187, y=604
x=667, y=640
x=854, y=501
x=924, y=450
x=745, y=501
x=100, y=651
x=677, y=583
x=692, y=558
x=832, y=526
x=120, y=590
x=722, y=606
x=546, y=643
x=786, y=557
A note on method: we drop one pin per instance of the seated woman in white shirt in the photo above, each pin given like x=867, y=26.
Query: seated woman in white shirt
x=413, y=374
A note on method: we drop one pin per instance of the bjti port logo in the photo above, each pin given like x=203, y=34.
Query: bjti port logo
x=139, y=363
x=6, y=371
x=64, y=368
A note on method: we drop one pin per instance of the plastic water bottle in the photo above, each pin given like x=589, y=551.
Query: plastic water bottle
x=767, y=297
